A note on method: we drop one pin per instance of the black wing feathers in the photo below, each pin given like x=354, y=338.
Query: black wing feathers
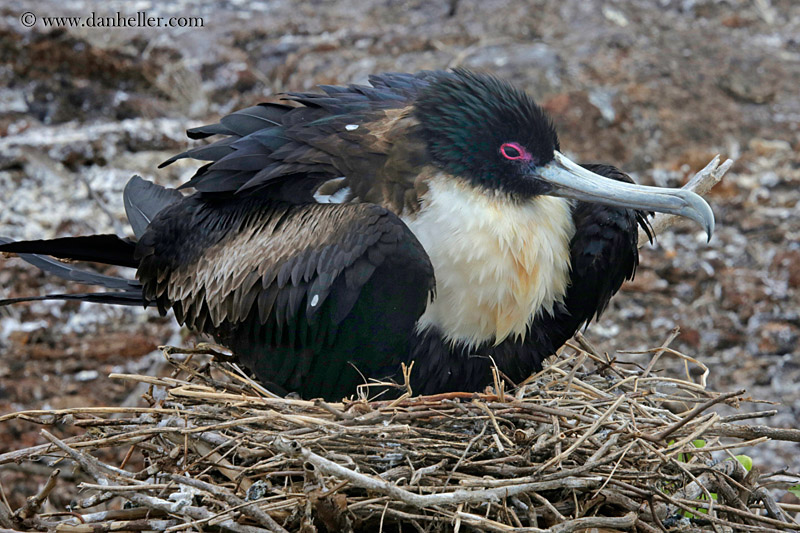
x=282, y=283
x=290, y=257
x=272, y=141
x=143, y=200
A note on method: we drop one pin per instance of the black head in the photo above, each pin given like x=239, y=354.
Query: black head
x=485, y=130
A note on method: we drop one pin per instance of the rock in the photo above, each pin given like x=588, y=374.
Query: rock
x=768, y=147
x=746, y=79
x=787, y=264
x=779, y=338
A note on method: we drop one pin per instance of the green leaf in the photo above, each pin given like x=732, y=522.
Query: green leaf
x=746, y=460
x=795, y=490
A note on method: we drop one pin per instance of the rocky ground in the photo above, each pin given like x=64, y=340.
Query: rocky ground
x=656, y=87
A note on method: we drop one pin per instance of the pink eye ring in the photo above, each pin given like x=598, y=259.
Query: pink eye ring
x=514, y=152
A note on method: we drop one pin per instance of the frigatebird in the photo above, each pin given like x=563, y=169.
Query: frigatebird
x=426, y=217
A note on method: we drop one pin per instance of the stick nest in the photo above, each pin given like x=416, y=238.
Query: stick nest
x=586, y=443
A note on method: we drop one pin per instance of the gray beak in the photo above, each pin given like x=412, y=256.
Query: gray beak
x=571, y=180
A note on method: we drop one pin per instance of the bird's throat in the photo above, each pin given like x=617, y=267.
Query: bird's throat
x=498, y=262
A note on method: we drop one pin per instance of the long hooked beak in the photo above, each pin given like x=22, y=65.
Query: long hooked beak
x=571, y=180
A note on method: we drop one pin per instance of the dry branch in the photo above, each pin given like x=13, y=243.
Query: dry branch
x=35, y=502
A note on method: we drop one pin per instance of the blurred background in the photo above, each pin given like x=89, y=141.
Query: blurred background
x=656, y=87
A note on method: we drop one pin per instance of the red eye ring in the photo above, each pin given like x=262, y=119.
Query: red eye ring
x=514, y=152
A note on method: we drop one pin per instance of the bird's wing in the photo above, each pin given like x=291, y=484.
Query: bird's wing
x=604, y=251
x=143, y=200
x=354, y=132
x=283, y=280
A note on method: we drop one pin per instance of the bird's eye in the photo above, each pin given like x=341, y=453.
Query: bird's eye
x=512, y=151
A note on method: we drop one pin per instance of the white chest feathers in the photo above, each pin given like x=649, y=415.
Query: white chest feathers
x=498, y=263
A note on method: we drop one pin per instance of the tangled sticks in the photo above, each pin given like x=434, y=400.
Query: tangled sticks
x=586, y=443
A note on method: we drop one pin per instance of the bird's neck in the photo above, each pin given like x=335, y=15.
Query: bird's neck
x=498, y=262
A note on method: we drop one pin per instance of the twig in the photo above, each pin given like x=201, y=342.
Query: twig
x=586, y=434
x=686, y=505
x=660, y=436
x=490, y=414
x=599, y=522
x=118, y=525
x=123, y=488
x=754, y=432
x=772, y=507
x=550, y=507
x=567, y=526
x=5, y=511
x=426, y=471
x=337, y=413
x=471, y=442
x=672, y=335
x=93, y=467
x=330, y=468
x=250, y=509
x=701, y=183
x=747, y=416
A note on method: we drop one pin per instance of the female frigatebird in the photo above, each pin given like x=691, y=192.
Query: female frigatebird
x=428, y=217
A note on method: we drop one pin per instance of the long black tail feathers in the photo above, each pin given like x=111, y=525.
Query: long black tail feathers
x=131, y=298
x=143, y=201
x=108, y=249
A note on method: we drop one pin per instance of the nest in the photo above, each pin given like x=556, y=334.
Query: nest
x=585, y=444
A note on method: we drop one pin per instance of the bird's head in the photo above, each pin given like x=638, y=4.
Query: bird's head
x=495, y=136
x=485, y=130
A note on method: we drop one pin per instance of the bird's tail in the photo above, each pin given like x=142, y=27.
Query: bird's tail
x=108, y=249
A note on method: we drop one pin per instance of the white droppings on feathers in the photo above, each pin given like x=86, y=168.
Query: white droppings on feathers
x=336, y=198
x=315, y=300
x=351, y=127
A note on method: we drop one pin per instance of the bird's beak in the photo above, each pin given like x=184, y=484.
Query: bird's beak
x=570, y=180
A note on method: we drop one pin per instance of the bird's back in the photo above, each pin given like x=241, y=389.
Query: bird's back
x=359, y=137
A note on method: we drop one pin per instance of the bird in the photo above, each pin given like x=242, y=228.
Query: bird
x=332, y=238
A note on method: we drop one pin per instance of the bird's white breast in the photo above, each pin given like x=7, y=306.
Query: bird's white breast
x=497, y=262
